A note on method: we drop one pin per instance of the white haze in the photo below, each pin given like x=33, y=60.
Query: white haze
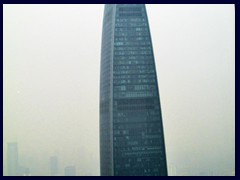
x=51, y=65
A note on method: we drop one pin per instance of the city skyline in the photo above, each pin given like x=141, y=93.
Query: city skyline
x=51, y=66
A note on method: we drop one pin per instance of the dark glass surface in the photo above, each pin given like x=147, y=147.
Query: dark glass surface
x=131, y=131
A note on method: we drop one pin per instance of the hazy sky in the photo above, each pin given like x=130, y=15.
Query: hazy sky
x=51, y=66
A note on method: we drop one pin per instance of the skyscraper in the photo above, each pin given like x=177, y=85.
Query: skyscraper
x=53, y=166
x=12, y=159
x=23, y=171
x=131, y=130
x=70, y=171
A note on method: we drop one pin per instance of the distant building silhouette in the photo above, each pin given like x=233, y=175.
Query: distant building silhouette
x=131, y=129
x=53, y=166
x=172, y=170
x=203, y=173
x=12, y=159
x=70, y=171
x=23, y=171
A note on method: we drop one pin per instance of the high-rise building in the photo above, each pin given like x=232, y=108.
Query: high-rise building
x=131, y=130
x=12, y=159
x=172, y=169
x=53, y=166
x=23, y=171
x=70, y=171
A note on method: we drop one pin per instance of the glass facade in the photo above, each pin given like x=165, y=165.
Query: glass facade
x=131, y=130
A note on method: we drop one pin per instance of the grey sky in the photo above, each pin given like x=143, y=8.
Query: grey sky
x=51, y=84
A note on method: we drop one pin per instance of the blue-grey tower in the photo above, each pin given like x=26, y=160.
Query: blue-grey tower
x=131, y=129
x=12, y=159
x=53, y=165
